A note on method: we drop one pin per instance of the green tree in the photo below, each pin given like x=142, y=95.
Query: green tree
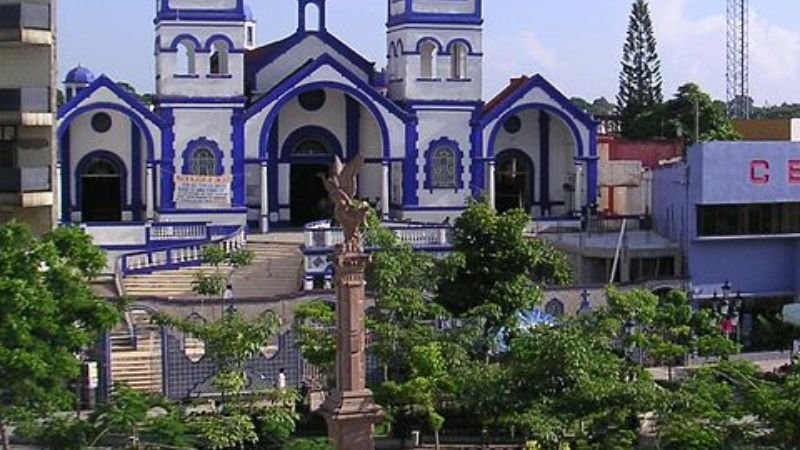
x=315, y=337
x=640, y=78
x=568, y=383
x=212, y=284
x=711, y=410
x=48, y=314
x=691, y=106
x=496, y=271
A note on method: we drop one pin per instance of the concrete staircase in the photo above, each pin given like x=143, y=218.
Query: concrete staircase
x=276, y=270
x=136, y=358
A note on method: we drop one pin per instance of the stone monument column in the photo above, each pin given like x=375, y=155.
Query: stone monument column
x=350, y=410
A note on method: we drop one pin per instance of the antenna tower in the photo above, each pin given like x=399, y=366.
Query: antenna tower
x=738, y=59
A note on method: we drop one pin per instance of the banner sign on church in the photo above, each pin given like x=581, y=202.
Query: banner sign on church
x=194, y=191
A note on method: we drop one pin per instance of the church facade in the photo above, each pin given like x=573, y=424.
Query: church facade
x=240, y=133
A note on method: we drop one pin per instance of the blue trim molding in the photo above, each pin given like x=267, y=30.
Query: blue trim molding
x=410, y=166
x=301, y=14
x=167, y=163
x=458, y=155
x=353, y=126
x=136, y=172
x=237, y=168
x=196, y=144
x=410, y=16
x=66, y=191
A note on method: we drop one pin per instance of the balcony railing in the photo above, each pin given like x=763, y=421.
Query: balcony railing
x=25, y=16
x=25, y=100
x=27, y=179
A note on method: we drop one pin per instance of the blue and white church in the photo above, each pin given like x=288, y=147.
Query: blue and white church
x=241, y=134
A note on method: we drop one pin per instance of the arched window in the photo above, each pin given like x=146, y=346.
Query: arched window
x=186, y=58
x=313, y=19
x=427, y=64
x=310, y=147
x=443, y=173
x=554, y=308
x=204, y=162
x=458, y=61
x=219, y=58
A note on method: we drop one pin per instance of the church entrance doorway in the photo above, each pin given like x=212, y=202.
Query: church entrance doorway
x=311, y=161
x=309, y=199
x=101, y=195
x=514, y=181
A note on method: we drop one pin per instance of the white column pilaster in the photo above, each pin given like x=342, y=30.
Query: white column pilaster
x=57, y=194
x=149, y=193
x=491, y=182
x=385, y=189
x=264, y=214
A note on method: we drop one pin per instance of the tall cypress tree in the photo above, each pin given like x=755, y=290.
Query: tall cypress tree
x=640, y=78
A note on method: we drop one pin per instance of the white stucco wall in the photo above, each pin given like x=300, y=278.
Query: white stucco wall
x=311, y=47
x=211, y=124
x=84, y=140
x=454, y=125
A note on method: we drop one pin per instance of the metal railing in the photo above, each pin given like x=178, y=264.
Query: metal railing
x=178, y=231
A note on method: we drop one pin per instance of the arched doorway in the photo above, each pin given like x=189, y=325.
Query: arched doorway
x=514, y=181
x=311, y=161
x=102, y=187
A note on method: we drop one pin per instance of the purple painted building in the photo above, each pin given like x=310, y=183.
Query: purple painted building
x=734, y=208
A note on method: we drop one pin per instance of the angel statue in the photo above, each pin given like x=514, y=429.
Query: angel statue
x=351, y=215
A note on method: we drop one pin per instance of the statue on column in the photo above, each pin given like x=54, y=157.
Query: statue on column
x=349, y=212
x=350, y=410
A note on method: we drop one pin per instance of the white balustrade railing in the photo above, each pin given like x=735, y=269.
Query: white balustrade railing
x=321, y=235
x=168, y=231
x=177, y=256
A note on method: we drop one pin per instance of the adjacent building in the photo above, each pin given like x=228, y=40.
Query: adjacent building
x=27, y=107
x=734, y=208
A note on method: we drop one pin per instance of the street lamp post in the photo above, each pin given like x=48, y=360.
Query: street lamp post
x=729, y=309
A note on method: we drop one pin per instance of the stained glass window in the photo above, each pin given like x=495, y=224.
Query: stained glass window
x=443, y=174
x=204, y=163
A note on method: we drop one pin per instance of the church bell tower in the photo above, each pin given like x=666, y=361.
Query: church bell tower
x=435, y=50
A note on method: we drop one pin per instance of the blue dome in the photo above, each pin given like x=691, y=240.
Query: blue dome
x=248, y=14
x=79, y=75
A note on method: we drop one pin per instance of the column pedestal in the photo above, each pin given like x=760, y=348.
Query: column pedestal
x=263, y=217
x=350, y=410
x=385, y=190
x=491, y=187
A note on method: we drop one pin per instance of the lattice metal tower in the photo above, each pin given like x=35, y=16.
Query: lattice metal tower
x=738, y=59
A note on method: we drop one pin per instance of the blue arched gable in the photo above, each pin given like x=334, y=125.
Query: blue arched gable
x=111, y=157
x=459, y=160
x=194, y=145
x=567, y=119
x=313, y=132
x=220, y=37
x=185, y=37
x=66, y=123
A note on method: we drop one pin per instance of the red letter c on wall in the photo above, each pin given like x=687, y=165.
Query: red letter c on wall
x=759, y=171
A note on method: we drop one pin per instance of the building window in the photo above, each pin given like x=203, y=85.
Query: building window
x=427, y=63
x=310, y=147
x=251, y=36
x=458, y=61
x=312, y=100
x=8, y=140
x=748, y=220
x=444, y=168
x=204, y=162
x=219, y=58
x=645, y=269
x=101, y=122
x=554, y=308
x=513, y=125
x=186, y=58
